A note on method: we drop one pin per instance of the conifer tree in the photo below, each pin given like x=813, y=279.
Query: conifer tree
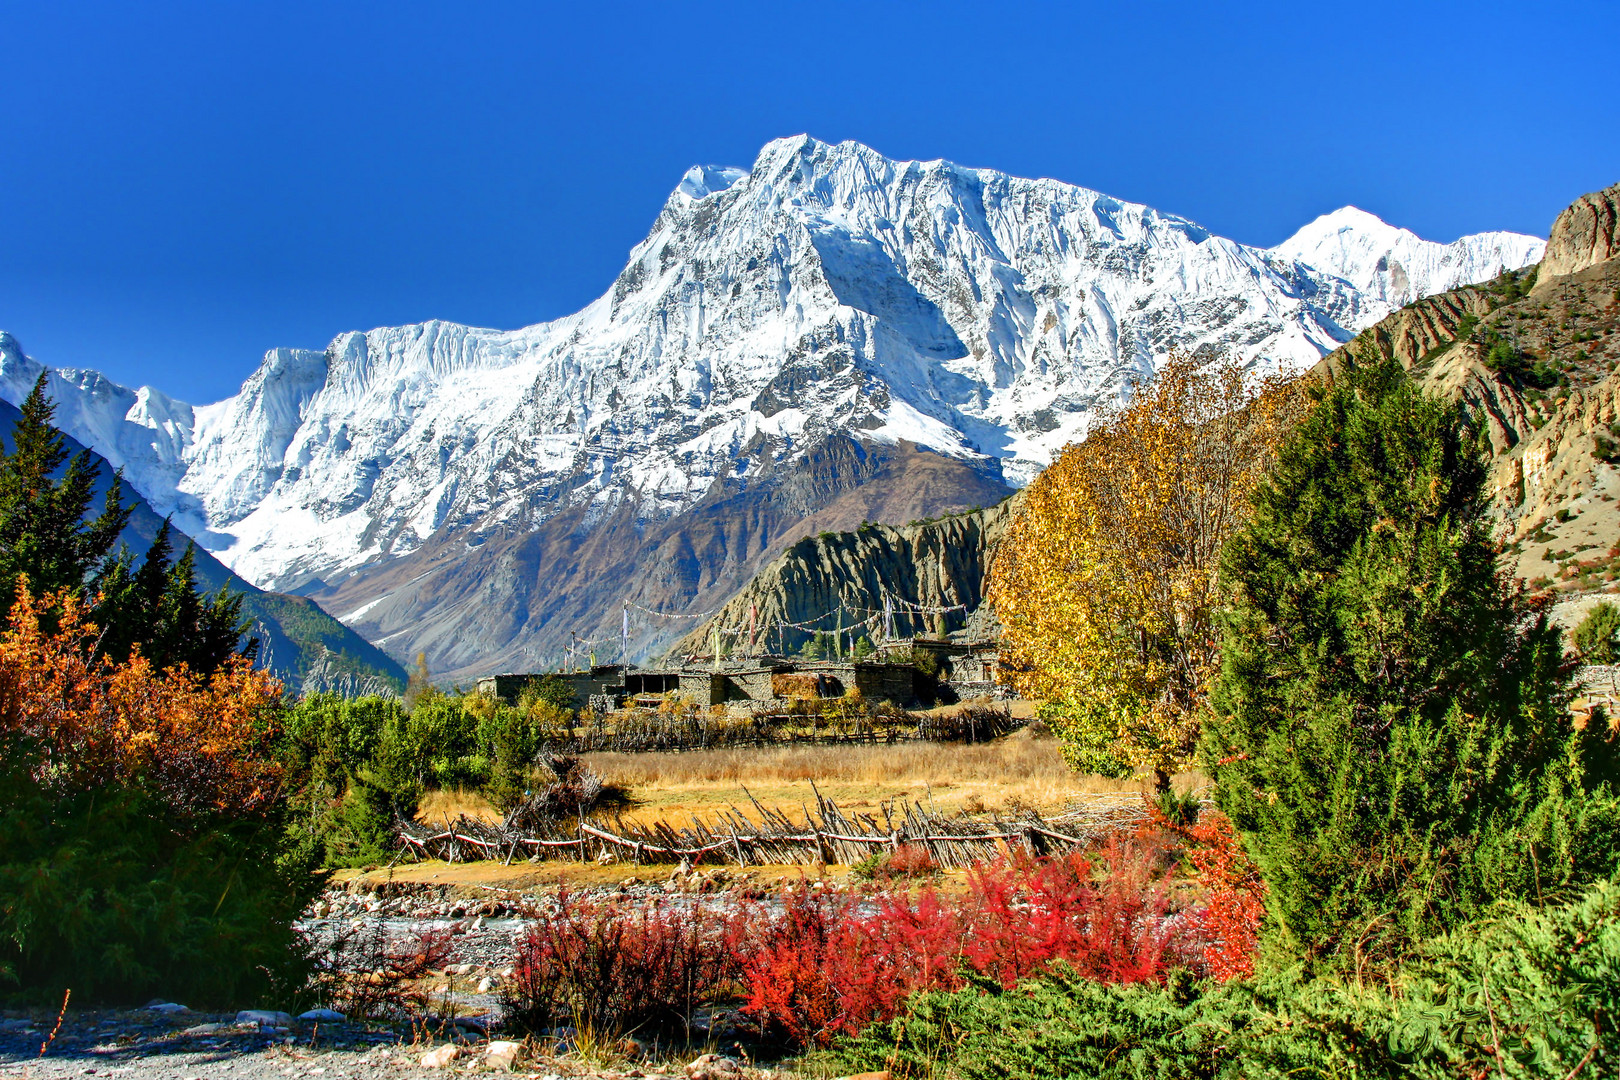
x=44, y=533
x=1390, y=728
x=156, y=609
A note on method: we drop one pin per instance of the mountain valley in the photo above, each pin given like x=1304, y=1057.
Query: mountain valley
x=827, y=338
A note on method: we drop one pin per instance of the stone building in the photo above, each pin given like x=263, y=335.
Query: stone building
x=766, y=683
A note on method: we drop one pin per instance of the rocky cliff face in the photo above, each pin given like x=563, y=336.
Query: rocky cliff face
x=1584, y=235
x=933, y=574
x=1535, y=357
x=825, y=337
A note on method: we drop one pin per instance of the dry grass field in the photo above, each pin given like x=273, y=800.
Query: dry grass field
x=1022, y=771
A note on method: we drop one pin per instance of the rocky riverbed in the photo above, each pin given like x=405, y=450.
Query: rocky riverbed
x=458, y=1029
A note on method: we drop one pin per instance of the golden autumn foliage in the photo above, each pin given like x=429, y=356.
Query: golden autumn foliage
x=200, y=744
x=1106, y=583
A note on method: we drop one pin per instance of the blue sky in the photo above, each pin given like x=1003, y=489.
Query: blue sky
x=185, y=186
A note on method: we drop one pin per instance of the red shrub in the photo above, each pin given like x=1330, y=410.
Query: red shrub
x=830, y=964
x=618, y=965
x=822, y=964
x=1028, y=913
x=1234, y=897
x=823, y=967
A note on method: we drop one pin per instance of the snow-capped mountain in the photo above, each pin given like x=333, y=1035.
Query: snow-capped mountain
x=1391, y=267
x=784, y=335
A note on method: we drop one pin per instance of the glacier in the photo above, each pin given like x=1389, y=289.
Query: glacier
x=826, y=292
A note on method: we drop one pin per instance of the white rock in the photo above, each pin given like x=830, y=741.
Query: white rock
x=503, y=1054
x=486, y=984
x=324, y=1016
x=168, y=1008
x=711, y=1067
x=443, y=1056
x=264, y=1018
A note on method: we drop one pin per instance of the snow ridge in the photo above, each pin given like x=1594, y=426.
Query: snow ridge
x=1392, y=267
x=825, y=289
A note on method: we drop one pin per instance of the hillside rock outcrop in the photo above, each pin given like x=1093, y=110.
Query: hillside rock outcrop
x=840, y=579
x=1537, y=361
x=1585, y=234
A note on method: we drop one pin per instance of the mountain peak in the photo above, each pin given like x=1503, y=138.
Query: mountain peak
x=1391, y=266
x=1347, y=223
x=835, y=318
x=702, y=181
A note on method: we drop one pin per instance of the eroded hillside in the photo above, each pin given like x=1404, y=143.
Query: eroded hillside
x=1535, y=353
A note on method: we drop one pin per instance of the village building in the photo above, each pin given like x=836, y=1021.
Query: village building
x=762, y=680
x=960, y=669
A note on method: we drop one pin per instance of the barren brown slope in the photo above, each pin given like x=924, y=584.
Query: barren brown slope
x=512, y=602
x=1535, y=356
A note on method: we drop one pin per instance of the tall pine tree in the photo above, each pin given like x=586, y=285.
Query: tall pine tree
x=44, y=532
x=1390, y=729
x=156, y=608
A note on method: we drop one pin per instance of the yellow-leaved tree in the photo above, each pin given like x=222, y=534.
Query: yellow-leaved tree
x=1106, y=584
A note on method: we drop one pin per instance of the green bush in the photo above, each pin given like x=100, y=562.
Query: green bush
x=108, y=894
x=1390, y=727
x=1524, y=992
x=360, y=764
x=1597, y=638
x=354, y=766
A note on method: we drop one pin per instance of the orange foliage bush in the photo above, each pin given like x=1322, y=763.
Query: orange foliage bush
x=199, y=744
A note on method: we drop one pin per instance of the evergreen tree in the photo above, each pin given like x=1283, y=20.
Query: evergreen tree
x=44, y=533
x=156, y=608
x=1390, y=727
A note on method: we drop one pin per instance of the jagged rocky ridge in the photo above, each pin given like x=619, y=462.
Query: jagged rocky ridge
x=836, y=580
x=827, y=337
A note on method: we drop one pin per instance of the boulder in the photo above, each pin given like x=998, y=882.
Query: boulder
x=712, y=1067
x=323, y=1016
x=442, y=1057
x=503, y=1054
x=264, y=1018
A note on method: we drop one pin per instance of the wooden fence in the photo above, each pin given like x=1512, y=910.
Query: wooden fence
x=826, y=835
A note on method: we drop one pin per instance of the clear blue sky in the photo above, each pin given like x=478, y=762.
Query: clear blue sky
x=185, y=186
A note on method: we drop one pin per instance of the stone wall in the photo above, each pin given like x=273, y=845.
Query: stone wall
x=607, y=680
